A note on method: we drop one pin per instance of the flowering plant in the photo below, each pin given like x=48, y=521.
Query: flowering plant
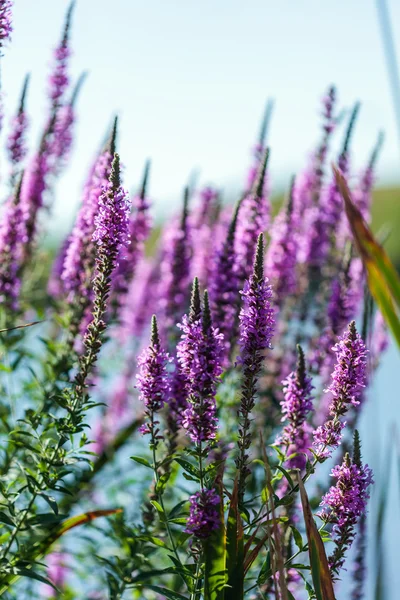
x=188, y=393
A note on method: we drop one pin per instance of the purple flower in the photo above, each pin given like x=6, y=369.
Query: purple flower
x=32, y=192
x=59, y=79
x=346, y=388
x=178, y=401
x=346, y=296
x=16, y=143
x=224, y=288
x=307, y=189
x=328, y=217
x=57, y=570
x=137, y=303
x=55, y=284
x=62, y=140
x=5, y=21
x=252, y=220
x=256, y=328
x=175, y=269
x=199, y=353
x=380, y=337
x=79, y=256
x=256, y=316
x=296, y=406
x=12, y=238
x=112, y=220
x=344, y=504
x=362, y=194
x=153, y=380
x=259, y=148
x=139, y=228
x=204, y=514
x=282, y=252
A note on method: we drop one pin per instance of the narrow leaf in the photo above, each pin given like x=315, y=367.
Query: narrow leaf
x=320, y=572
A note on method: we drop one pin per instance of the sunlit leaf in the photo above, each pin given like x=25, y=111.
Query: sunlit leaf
x=383, y=279
x=320, y=572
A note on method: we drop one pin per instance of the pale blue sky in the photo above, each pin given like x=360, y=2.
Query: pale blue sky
x=190, y=79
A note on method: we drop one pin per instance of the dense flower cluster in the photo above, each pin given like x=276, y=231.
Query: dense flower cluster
x=347, y=385
x=252, y=220
x=199, y=354
x=16, y=143
x=79, y=253
x=344, y=504
x=256, y=317
x=5, y=21
x=153, y=379
x=204, y=514
x=296, y=406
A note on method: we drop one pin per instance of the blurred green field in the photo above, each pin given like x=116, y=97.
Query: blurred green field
x=386, y=219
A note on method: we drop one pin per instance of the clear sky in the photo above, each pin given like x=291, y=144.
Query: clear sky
x=189, y=80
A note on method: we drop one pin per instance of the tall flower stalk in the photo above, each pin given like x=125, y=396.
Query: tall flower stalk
x=199, y=353
x=110, y=235
x=16, y=143
x=346, y=388
x=256, y=329
x=345, y=503
x=296, y=406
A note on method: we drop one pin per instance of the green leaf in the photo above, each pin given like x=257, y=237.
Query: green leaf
x=170, y=594
x=51, y=502
x=266, y=571
x=321, y=575
x=22, y=572
x=298, y=540
x=189, y=468
x=382, y=277
x=158, y=507
x=234, y=550
x=215, y=554
x=141, y=461
x=162, y=482
x=6, y=519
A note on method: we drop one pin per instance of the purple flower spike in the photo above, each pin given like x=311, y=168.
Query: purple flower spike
x=12, y=238
x=346, y=389
x=204, y=514
x=79, y=256
x=32, y=192
x=175, y=270
x=5, y=22
x=199, y=353
x=59, y=78
x=256, y=328
x=362, y=195
x=345, y=503
x=296, y=407
x=252, y=220
x=257, y=316
x=153, y=381
x=16, y=143
x=282, y=251
x=259, y=148
x=139, y=228
x=112, y=221
x=224, y=287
